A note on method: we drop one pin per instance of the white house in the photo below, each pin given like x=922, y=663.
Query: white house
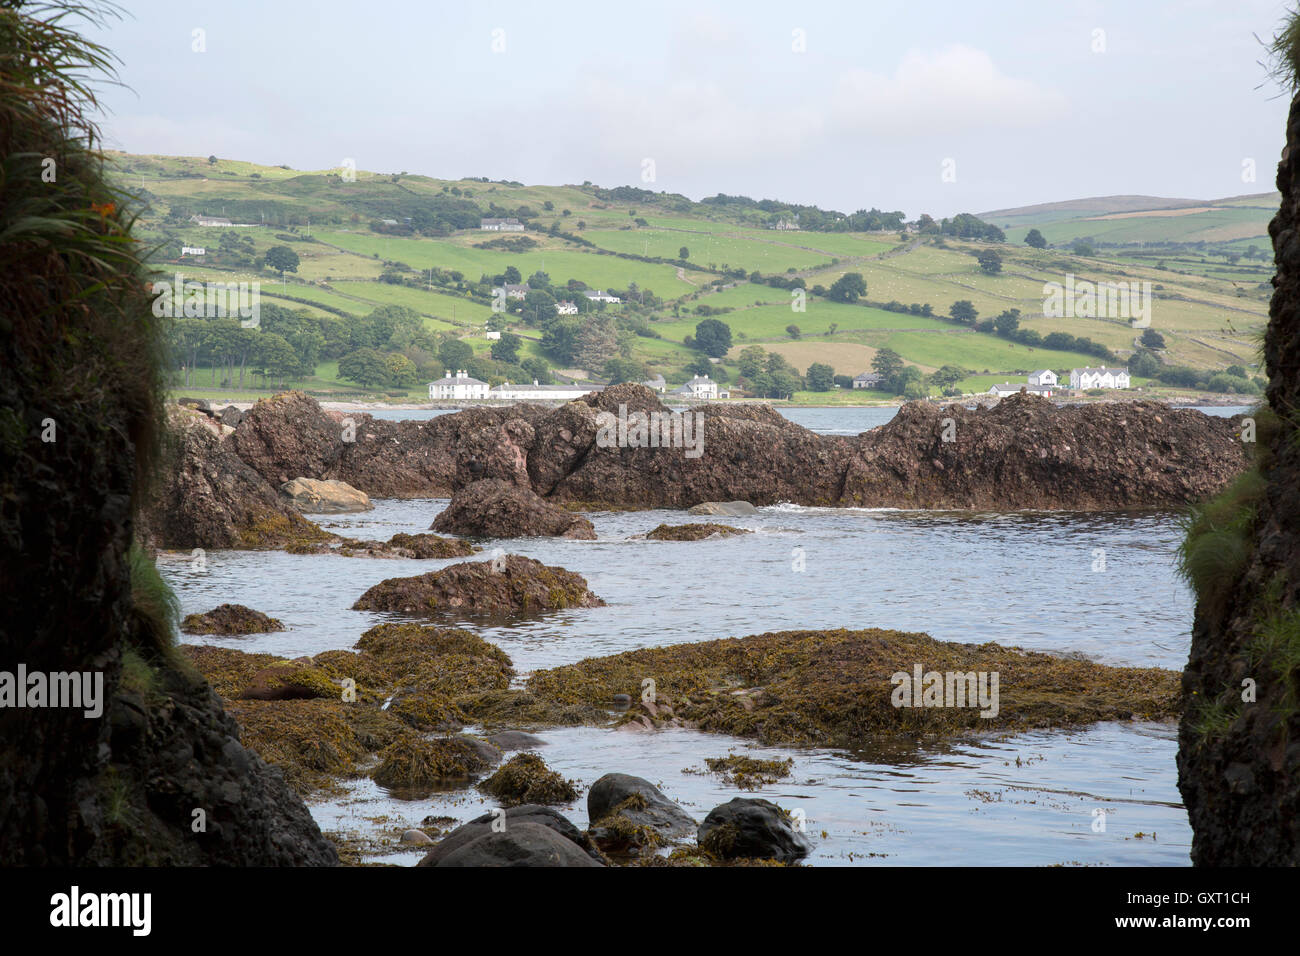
x=600, y=295
x=866, y=380
x=211, y=221
x=193, y=251
x=566, y=307
x=1043, y=376
x=512, y=290
x=492, y=336
x=457, y=387
x=701, y=387
x=501, y=225
x=657, y=384
x=535, y=392
x=1099, y=377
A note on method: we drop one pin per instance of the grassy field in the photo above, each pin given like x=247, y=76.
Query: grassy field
x=1208, y=309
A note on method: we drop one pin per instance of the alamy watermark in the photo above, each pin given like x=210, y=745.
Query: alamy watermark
x=656, y=430
x=79, y=690
x=951, y=689
x=1081, y=299
x=191, y=299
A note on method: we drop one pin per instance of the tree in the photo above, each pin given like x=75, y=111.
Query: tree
x=595, y=343
x=506, y=348
x=401, y=370
x=538, y=369
x=888, y=364
x=990, y=261
x=624, y=370
x=1143, y=364
x=683, y=253
x=539, y=307
x=948, y=375
x=559, y=338
x=752, y=361
x=713, y=337
x=512, y=276
x=455, y=354
x=1035, y=239
x=847, y=288
x=282, y=259
x=1083, y=248
x=792, y=331
x=821, y=377
x=212, y=160
x=1153, y=339
x=1007, y=323
x=539, y=280
x=963, y=311
x=915, y=390
x=364, y=366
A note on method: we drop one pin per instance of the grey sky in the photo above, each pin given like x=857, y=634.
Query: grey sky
x=718, y=97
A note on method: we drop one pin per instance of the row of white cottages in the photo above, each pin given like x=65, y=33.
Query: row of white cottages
x=1044, y=381
x=463, y=387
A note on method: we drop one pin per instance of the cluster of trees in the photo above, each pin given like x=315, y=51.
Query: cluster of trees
x=767, y=374
x=962, y=226
x=1007, y=325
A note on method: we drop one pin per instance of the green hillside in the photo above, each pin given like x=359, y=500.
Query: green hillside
x=1209, y=287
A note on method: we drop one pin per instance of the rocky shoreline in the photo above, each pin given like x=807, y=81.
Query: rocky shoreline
x=1025, y=453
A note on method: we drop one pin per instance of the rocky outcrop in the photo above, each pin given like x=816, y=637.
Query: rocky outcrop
x=1239, y=741
x=494, y=508
x=327, y=497
x=747, y=828
x=511, y=585
x=208, y=497
x=230, y=619
x=1027, y=453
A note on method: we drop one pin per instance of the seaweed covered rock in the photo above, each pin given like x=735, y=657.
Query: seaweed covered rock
x=525, y=778
x=230, y=619
x=414, y=763
x=838, y=687
x=513, y=585
x=750, y=828
x=628, y=812
x=1026, y=452
x=325, y=496
x=294, y=680
x=696, y=531
x=493, y=508
x=504, y=821
x=430, y=546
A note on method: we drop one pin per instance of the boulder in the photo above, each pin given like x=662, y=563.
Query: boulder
x=513, y=585
x=626, y=810
x=429, y=546
x=751, y=828
x=511, y=818
x=325, y=496
x=498, y=451
x=288, y=435
x=733, y=509
x=493, y=508
x=524, y=844
x=416, y=838
x=290, y=681
x=562, y=438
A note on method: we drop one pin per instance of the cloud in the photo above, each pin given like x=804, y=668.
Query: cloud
x=955, y=89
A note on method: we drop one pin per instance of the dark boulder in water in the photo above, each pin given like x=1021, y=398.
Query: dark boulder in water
x=750, y=828
x=493, y=508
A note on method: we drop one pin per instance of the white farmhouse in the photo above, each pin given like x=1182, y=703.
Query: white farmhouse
x=492, y=335
x=457, y=388
x=1099, y=377
x=866, y=380
x=1043, y=376
x=535, y=392
x=193, y=251
x=700, y=387
x=211, y=221
x=600, y=295
x=512, y=290
x=566, y=307
x=657, y=384
x=501, y=225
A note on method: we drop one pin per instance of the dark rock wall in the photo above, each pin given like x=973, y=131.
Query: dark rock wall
x=1242, y=786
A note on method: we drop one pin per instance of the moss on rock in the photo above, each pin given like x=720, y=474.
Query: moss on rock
x=525, y=778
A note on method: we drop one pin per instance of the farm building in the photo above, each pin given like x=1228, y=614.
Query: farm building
x=459, y=386
x=1099, y=377
x=501, y=225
